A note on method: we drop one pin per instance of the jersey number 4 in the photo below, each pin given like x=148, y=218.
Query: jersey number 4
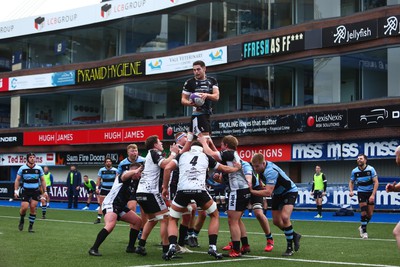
x=194, y=160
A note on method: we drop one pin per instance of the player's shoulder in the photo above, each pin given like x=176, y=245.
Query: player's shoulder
x=369, y=167
x=212, y=79
x=140, y=159
x=124, y=161
x=227, y=155
x=190, y=83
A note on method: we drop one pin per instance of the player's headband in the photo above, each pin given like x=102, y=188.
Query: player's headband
x=180, y=137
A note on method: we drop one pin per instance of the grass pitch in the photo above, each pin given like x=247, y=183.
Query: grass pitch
x=66, y=236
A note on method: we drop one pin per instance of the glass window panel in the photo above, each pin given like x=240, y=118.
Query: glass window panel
x=5, y=112
x=147, y=100
x=304, y=11
x=393, y=58
x=283, y=86
x=281, y=13
x=60, y=109
x=327, y=80
x=326, y=9
x=370, y=4
x=349, y=7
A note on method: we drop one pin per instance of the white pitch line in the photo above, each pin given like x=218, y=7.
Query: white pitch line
x=222, y=231
x=252, y=258
x=244, y=258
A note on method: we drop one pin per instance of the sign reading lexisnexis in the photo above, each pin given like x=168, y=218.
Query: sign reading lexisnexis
x=211, y=57
x=329, y=120
x=274, y=45
x=344, y=150
x=41, y=80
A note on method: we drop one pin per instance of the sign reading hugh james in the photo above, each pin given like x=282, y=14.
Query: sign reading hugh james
x=349, y=33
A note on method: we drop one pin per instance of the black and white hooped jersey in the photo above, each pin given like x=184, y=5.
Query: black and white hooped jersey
x=149, y=182
x=237, y=180
x=193, y=170
x=200, y=86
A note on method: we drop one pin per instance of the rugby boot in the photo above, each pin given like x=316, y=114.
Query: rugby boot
x=270, y=245
x=228, y=247
x=245, y=249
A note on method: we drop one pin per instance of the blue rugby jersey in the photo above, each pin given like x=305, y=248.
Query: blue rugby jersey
x=107, y=177
x=364, y=178
x=275, y=176
x=30, y=177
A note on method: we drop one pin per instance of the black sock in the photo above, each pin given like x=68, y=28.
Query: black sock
x=22, y=218
x=132, y=237
x=182, y=234
x=172, y=239
x=244, y=241
x=101, y=236
x=165, y=248
x=236, y=245
x=142, y=242
x=319, y=208
x=212, y=239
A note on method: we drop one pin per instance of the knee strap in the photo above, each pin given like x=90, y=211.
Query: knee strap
x=212, y=208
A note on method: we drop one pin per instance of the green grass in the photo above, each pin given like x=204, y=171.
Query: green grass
x=66, y=236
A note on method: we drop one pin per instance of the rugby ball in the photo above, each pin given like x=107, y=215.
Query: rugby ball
x=197, y=100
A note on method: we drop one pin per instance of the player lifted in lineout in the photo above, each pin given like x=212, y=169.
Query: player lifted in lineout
x=199, y=92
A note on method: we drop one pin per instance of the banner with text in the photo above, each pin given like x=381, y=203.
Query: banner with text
x=350, y=33
x=373, y=149
x=276, y=45
x=211, y=57
x=258, y=125
x=92, y=136
x=16, y=159
x=86, y=15
x=337, y=196
x=110, y=72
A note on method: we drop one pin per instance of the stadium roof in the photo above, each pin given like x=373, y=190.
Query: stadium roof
x=17, y=9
